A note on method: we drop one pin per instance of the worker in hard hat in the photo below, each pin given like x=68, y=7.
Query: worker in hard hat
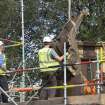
x=47, y=58
x=3, y=79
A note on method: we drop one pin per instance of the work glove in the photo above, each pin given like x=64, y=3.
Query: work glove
x=67, y=54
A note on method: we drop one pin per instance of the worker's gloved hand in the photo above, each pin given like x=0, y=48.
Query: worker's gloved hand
x=8, y=73
x=67, y=53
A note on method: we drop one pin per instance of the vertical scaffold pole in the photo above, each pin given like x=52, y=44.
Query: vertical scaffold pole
x=69, y=9
x=22, y=95
x=98, y=73
x=65, y=82
x=101, y=58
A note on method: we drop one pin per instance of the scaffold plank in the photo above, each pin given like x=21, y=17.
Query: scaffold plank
x=72, y=100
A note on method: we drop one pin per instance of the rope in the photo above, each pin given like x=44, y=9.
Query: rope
x=14, y=45
x=56, y=66
x=72, y=86
x=30, y=89
x=10, y=40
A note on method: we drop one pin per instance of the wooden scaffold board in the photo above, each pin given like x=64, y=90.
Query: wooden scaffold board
x=72, y=100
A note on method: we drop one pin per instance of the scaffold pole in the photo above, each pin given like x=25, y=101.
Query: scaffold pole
x=69, y=9
x=65, y=82
x=98, y=73
x=22, y=84
x=2, y=90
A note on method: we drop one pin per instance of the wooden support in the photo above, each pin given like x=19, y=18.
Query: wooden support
x=72, y=100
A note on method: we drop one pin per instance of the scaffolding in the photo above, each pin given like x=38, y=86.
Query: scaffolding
x=97, y=80
x=22, y=96
x=24, y=89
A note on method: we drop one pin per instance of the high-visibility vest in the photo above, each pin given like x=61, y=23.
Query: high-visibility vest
x=2, y=64
x=46, y=61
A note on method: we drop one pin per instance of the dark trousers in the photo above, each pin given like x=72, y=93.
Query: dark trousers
x=4, y=85
x=48, y=79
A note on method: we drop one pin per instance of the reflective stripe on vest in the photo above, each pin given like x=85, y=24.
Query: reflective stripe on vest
x=2, y=64
x=45, y=60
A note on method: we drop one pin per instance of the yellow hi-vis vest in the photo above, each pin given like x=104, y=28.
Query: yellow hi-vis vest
x=2, y=69
x=45, y=60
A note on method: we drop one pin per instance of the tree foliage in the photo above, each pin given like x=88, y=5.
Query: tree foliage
x=46, y=17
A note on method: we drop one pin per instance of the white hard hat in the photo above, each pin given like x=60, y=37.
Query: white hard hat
x=1, y=43
x=47, y=39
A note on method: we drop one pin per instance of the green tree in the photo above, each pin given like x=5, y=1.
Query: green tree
x=44, y=17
